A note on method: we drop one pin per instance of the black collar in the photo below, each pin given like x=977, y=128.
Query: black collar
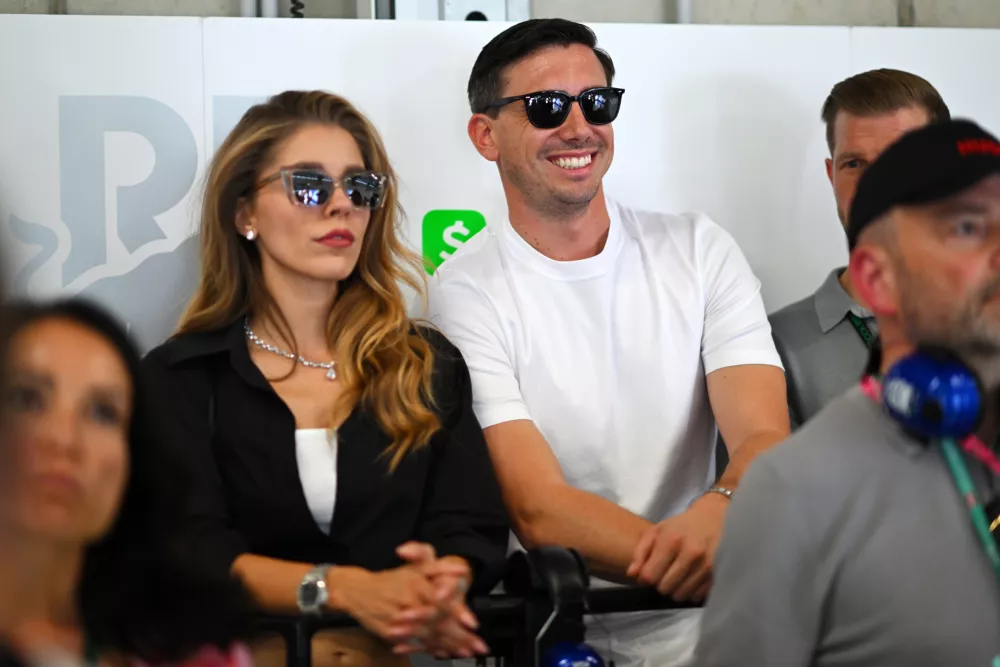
x=874, y=365
x=184, y=347
x=228, y=341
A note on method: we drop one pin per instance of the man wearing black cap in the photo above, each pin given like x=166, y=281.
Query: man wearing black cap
x=850, y=544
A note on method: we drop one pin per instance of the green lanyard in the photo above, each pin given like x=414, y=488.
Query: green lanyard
x=866, y=334
x=963, y=482
x=960, y=473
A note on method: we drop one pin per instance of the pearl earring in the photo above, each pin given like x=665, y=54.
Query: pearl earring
x=251, y=235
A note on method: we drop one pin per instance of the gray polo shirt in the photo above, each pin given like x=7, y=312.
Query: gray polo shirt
x=848, y=544
x=822, y=352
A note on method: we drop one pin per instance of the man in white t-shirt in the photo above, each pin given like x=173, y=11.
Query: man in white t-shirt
x=602, y=339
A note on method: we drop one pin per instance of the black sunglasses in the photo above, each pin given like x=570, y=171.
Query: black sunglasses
x=549, y=109
x=314, y=187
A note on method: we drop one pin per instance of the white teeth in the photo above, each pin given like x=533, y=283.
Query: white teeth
x=572, y=162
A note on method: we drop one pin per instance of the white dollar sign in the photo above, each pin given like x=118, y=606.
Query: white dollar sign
x=451, y=235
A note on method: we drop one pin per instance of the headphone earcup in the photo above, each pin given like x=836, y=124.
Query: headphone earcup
x=933, y=395
x=568, y=654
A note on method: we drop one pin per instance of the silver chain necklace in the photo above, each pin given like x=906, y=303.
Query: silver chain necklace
x=331, y=372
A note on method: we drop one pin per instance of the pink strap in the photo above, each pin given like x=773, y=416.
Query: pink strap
x=872, y=388
x=977, y=448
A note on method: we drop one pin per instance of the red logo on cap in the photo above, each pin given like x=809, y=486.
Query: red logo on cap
x=978, y=147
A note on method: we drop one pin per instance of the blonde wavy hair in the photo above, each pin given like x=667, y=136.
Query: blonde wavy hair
x=383, y=362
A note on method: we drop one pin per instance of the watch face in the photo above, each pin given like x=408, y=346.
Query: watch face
x=309, y=595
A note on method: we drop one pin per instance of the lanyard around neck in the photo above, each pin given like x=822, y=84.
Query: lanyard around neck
x=960, y=476
x=972, y=444
x=981, y=524
x=866, y=334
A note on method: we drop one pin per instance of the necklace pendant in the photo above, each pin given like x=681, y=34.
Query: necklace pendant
x=331, y=374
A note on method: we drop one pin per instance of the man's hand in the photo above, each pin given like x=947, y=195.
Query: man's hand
x=675, y=556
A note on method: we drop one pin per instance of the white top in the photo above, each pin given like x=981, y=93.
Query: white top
x=608, y=355
x=316, y=455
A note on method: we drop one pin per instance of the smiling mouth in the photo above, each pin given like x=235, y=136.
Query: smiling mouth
x=573, y=162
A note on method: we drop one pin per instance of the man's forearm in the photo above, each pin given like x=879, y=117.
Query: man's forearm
x=741, y=457
x=603, y=533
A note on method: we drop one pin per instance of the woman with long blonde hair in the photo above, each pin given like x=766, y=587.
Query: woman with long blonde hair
x=339, y=463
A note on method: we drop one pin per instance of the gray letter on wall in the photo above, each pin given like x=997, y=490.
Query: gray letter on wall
x=83, y=122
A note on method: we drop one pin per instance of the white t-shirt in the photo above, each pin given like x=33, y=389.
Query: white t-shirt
x=608, y=357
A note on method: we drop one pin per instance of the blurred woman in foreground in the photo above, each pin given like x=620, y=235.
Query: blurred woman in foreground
x=87, y=570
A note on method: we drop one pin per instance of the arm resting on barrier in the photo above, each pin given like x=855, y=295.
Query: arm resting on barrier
x=547, y=511
x=274, y=583
x=746, y=389
x=676, y=556
x=744, y=376
x=397, y=605
x=750, y=406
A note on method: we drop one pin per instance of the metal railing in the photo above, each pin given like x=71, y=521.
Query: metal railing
x=547, y=597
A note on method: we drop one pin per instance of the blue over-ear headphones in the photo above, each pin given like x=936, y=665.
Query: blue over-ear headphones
x=932, y=394
x=939, y=400
x=569, y=654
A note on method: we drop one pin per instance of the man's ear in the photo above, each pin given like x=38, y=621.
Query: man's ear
x=829, y=170
x=873, y=275
x=481, y=134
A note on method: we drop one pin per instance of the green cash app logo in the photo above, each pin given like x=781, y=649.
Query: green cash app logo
x=444, y=232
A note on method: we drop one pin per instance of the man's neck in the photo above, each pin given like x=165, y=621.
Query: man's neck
x=305, y=305
x=986, y=370
x=577, y=236
x=989, y=428
x=892, y=351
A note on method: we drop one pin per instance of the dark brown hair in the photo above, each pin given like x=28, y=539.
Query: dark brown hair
x=881, y=91
x=140, y=593
x=517, y=43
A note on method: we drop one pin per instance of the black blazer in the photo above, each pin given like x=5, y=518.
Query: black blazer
x=236, y=438
x=8, y=659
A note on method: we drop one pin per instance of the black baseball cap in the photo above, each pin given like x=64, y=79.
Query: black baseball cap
x=928, y=164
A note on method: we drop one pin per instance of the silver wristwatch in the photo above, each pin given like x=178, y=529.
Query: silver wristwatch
x=313, y=594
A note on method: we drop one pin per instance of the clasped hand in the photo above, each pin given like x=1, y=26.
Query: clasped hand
x=676, y=555
x=419, y=606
